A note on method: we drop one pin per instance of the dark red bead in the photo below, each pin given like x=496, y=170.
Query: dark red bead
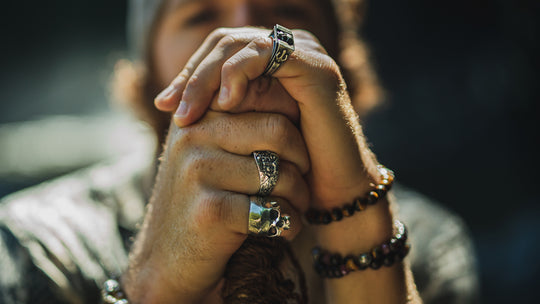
x=344, y=270
x=337, y=273
x=326, y=258
x=385, y=249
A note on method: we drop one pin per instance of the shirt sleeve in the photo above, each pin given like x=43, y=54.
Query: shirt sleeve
x=443, y=259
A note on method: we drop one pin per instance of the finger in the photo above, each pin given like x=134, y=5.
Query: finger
x=314, y=80
x=240, y=174
x=223, y=211
x=265, y=94
x=235, y=89
x=204, y=82
x=303, y=73
x=296, y=223
x=247, y=132
x=169, y=99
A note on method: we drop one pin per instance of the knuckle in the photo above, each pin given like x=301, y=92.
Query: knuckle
x=261, y=43
x=184, y=137
x=227, y=41
x=217, y=34
x=278, y=127
x=193, y=82
x=329, y=67
x=194, y=166
x=228, y=68
x=215, y=210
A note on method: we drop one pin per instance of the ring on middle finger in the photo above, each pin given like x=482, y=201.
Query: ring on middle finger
x=268, y=166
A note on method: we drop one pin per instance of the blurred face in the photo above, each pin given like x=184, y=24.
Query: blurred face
x=185, y=24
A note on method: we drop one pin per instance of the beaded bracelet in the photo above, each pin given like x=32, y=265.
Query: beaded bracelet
x=314, y=216
x=112, y=293
x=330, y=265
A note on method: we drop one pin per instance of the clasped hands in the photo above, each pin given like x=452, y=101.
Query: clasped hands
x=223, y=111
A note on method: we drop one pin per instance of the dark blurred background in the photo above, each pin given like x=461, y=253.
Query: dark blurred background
x=460, y=122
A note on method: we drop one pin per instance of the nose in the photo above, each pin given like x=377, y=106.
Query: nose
x=240, y=13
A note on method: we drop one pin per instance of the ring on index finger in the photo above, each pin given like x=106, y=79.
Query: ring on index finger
x=283, y=46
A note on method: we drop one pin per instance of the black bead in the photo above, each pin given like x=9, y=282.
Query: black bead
x=348, y=210
x=326, y=218
x=337, y=214
x=364, y=260
x=381, y=190
x=372, y=197
x=377, y=254
x=311, y=216
x=395, y=245
x=319, y=268
x=388, y=260
x=359, y=204
x=335, y=260
x=403, y=253
x=316, y=253
x=375, y=264
x=337, y=272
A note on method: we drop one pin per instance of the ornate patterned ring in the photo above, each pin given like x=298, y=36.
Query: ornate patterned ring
x=268, y=165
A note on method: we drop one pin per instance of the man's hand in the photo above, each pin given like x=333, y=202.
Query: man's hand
x=224, y=74
x=198, y=214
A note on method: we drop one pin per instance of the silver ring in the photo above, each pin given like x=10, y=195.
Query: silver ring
x=282, y=48
x=268, y=165
x=265, y=218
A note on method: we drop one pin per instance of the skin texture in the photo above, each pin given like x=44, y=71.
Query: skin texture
x=223, y=110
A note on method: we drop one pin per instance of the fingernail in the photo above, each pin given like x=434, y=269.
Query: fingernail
x=166, y=93
x=182, y=109
x=223, y=96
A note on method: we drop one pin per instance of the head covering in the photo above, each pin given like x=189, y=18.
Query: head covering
x=142, y=15
x=140, y=19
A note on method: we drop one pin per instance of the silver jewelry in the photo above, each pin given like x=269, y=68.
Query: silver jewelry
x=112, y=293
x=265, y=217
x=268, y=165
x=282, y=48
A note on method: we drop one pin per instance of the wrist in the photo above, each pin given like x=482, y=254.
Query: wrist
x=358, y=232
